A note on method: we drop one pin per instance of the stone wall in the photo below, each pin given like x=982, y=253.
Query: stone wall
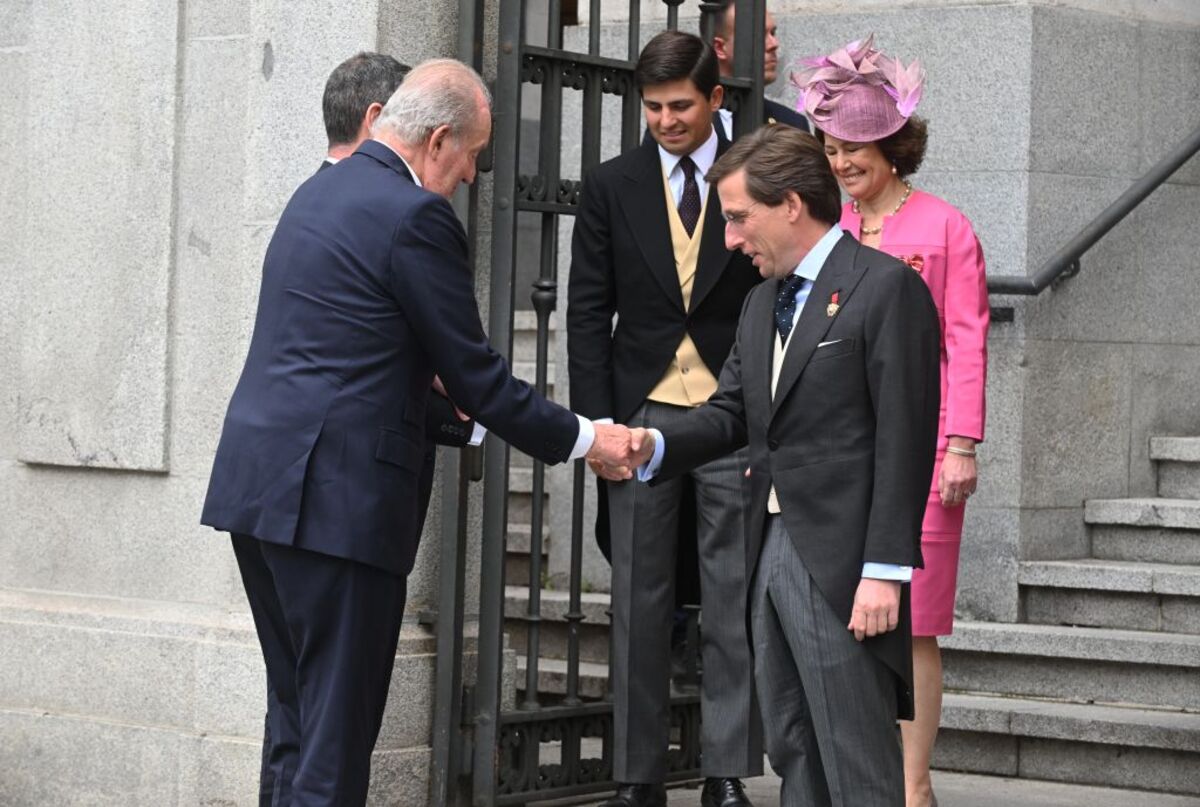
x=149, y=150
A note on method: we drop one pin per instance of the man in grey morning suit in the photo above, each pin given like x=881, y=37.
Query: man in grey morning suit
x=840, y=413
x=648, y=248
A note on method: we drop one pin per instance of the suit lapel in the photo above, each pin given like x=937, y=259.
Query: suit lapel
x=646, y=215
x=713, y=257
x=840, y=273
x=758, y=353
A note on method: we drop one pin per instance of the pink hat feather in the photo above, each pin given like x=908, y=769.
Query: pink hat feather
x=858, y=93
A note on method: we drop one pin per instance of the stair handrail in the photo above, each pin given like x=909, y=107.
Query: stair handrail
x=1065, y=262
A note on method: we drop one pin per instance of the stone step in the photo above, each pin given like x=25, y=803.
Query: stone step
x=520, y=495
x=552, y=677
x=1178, y=463
x=1039, y=739
x=1151, y=530
x=1112, y=594
x=525, y=335
x=1079, y=664
x=204, y=662
x=519, y=537
x=517, y=560
x=55, y=759
x=553, y=630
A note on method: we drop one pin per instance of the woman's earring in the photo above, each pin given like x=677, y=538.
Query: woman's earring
x=893, y=170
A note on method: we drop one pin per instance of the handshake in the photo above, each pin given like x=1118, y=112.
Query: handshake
x=617, y=451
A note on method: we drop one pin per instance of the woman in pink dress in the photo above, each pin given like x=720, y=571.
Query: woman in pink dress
x=861, y=103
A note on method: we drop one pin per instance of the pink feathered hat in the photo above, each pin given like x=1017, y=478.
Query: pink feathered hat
x=857, y=93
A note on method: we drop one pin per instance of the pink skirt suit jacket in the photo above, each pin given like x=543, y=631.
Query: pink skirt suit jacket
x=935, y=239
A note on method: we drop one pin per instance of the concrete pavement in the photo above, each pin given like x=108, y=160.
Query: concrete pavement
x=968, y=790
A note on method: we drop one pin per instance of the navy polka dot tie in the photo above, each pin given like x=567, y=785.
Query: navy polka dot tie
x=689, y=203
x=785, y=305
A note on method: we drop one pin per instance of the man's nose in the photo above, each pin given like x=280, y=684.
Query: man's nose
x=732, y=239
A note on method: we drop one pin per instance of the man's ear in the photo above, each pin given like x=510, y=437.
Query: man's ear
x=718, y=95
x=795, y=206
x=724, y=52
x=439, y=138
x=372, y=115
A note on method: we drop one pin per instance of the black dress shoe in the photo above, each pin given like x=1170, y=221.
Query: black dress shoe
x=638, y=796
x=724, y=793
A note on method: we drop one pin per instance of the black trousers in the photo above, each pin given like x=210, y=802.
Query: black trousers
x=328, y=629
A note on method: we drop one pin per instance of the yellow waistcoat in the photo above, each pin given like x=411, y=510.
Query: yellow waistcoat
x=688, y=381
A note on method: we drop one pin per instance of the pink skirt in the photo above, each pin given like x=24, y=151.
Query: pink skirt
x=934, y=586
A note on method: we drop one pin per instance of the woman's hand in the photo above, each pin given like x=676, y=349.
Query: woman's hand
x=957, y=478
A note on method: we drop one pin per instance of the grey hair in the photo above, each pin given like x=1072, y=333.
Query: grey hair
x=438, y=92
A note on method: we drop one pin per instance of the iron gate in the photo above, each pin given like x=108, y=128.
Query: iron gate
x=500, y=750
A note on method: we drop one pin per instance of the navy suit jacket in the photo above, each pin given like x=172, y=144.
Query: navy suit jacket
x=366, y=293
x=773, y=112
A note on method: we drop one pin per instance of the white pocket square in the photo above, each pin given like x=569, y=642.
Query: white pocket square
x=832, y=342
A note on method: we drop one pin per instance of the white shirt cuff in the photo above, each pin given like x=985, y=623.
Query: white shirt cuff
x=583, y=442
x=887, y=571
x=477, y=434
x=650, y=470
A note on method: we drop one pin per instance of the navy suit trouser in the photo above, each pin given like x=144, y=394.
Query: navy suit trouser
x=328, y=629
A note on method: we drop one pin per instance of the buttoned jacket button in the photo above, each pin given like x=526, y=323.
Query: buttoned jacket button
x=772, y=444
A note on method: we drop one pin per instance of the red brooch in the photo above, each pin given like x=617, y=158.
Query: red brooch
x=832, y=309
x=917, y=262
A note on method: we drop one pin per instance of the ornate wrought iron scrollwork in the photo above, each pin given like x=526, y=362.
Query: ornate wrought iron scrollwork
x=524, y=733
x=512, y=776
x=534, y=68
x=615, y=82
x=531, y=188
x=568, y=191
x=576, y=76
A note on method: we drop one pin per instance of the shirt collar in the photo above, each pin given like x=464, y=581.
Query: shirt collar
x=331, y=160
x=810, y=265
x=703, y=157
x=416, y=179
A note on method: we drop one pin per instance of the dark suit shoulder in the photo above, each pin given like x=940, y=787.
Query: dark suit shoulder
x=634, y=162
x=782, y=114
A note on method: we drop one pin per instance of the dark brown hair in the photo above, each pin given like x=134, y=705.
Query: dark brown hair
x=673, y=55
x=905, y=148
x=778, y=159
x=365, y=78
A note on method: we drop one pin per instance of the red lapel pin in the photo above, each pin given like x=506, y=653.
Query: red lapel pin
x=832, y=309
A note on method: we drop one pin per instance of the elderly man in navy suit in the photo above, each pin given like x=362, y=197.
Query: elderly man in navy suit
x=366, y=293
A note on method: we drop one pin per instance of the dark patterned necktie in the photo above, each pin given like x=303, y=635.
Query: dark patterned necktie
x=689, y=203
x=785, y=305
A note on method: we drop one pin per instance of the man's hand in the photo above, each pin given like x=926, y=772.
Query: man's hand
x=441, y=390
x=610, y=454
x=876, y=608
x=641, y=446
